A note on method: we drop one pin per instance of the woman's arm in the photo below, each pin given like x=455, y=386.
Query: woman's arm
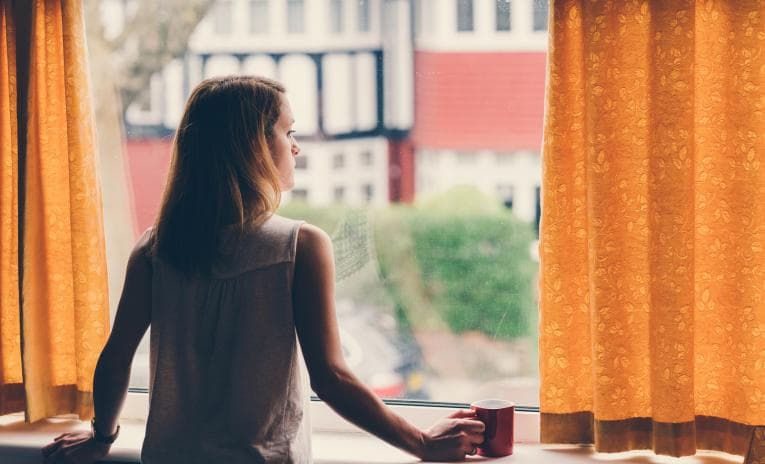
x=110, y=382
x=331, y=379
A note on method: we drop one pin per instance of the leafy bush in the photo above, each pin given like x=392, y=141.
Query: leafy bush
x=457, y=261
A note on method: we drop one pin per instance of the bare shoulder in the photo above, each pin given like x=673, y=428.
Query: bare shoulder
x=312, y=239
x=314, y=246
x=140, y=256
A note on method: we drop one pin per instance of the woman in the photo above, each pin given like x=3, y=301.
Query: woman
x=226, y=284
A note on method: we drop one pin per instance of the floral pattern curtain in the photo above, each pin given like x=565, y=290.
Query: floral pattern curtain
x=652, y=326
x=61, y=319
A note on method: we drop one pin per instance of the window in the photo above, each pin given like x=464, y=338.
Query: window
x=338, y=161
x=363, y=15
x=366, y=158
x=259, y=16
x=295, y=16
x=464, y=15
x=506, y=193
x=396, y=265
x=300, y=194
x=540, y=15
x=417, y=18
x=338, y=195
x=368, y=192
x=301, y=162
x=336, y=16
x=224, y=19
x=503, y=9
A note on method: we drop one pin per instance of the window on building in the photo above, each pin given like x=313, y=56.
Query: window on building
x=338, y=161
x=259, y=16
x=506, y=192
x=417, y=18
x=301, y=162
x=503, y=10
x=366, y=158
x=368, y=192
x=338, y=194
x=540, y=14
x=224, y=17
x=363, y=15
x=295, y=16
x=300, y=194
x=464, y=15
x=336, y=16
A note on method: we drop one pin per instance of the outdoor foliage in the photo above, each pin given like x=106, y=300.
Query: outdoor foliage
x=459, y=261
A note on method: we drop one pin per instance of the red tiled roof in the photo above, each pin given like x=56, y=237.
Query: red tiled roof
x=479, y=100
x=148, y=163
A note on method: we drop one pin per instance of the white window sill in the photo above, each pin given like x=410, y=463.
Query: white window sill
x=333, y=443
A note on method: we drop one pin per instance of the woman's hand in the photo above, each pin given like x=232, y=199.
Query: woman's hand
x=75, y=448
x=453, y=438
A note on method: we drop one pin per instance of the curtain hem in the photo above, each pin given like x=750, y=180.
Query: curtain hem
x=12, y=398
x=643, y=433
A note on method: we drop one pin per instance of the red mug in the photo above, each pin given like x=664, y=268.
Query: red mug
x=498, y=417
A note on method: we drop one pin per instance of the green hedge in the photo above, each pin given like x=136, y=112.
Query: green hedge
x=459, y=261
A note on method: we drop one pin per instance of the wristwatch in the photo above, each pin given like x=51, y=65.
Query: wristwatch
x=105, y=439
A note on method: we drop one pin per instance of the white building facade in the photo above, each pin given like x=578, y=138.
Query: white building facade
x=351, y=68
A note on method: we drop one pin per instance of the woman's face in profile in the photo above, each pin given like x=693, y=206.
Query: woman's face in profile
x=284, y=148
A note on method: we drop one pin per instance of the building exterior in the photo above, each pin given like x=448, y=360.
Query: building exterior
x=479, y=93
x=393, y=98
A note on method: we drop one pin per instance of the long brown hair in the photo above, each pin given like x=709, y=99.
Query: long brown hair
x=221, y=172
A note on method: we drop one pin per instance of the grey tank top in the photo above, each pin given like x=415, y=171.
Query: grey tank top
x=226, y=382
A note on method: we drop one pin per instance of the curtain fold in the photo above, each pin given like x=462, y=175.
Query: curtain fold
x=53, y=330
x=64, y=290
x=652, y=324
x=11, y=388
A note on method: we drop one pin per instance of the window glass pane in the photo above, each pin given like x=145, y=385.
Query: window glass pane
x=434, y=229
x=540, y=15
x=417, y=18
x=368, y=192
x=366, y=158
x=336, y=16
x=503, y=9
x=363, y=11
x=338, y=161
x=259, y=16
x=464, y=15
x=339, y=194
x=224, y=17
x=295, y=16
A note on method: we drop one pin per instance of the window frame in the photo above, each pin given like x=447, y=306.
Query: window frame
x=422, y=414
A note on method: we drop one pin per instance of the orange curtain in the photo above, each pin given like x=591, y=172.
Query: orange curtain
x=11, y=388
x=63, y=304
x=652, y=302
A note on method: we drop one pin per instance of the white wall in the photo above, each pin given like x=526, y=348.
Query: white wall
x=439, y=170
x=317, y=35
x=438, y=31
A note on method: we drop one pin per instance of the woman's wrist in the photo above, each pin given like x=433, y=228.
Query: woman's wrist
x=101, y=437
